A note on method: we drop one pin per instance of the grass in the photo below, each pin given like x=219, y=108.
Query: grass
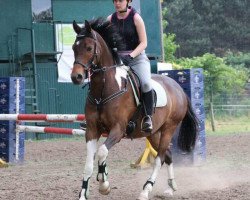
x=68, y=35
x=229, y=125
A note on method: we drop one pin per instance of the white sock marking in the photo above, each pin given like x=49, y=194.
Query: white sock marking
x=91, y=150
x=170, y=171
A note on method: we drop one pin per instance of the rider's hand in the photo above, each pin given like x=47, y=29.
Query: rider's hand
x=127, y=59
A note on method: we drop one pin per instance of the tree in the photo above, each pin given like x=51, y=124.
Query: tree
x=43, y=15
x=238, y=59
x=169, y=44
x=214, y=26
x=187, y=25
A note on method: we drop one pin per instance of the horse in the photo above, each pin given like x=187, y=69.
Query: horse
x=111, y=104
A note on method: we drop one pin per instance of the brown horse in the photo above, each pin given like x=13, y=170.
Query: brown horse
x=111, y=104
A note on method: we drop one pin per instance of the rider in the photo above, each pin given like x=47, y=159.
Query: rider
x=131, y=27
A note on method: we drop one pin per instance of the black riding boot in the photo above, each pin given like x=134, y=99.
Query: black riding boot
x=148, y=101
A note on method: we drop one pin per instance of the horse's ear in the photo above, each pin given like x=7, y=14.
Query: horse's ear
x=77, y=28
x=87, y=26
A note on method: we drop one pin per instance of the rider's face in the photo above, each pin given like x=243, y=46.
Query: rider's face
x=120, y=4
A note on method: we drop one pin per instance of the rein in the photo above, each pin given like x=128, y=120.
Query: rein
x=103, y=101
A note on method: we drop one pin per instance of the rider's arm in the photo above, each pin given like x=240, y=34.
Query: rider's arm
x=141, y=30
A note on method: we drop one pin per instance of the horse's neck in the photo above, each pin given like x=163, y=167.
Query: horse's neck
x=102, y=82
x=106, y=57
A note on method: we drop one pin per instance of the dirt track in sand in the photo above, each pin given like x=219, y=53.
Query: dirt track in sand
x=53, y=170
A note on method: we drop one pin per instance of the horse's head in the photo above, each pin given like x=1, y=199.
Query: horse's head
x=85, y=52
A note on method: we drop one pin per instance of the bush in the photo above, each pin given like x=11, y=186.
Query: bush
x=219, y=77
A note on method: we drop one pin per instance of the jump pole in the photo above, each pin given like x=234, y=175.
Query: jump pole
x=56, y=130
x=43, y=117
x=149, y=151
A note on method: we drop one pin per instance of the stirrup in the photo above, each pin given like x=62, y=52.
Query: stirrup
x=83, y=125
x=146, y=124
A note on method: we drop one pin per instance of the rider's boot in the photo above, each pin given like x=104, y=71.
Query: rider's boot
x=148, y=101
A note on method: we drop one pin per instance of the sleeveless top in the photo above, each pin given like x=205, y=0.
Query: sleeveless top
x=127, y=29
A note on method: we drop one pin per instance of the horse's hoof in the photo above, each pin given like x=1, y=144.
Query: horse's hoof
x=105, y=192
x=172, y=184
x=169, y=192
x=104, y=188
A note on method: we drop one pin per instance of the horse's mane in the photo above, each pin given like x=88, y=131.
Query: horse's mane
x=109, y=33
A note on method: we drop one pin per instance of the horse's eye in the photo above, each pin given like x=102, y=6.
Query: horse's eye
x=89, y=49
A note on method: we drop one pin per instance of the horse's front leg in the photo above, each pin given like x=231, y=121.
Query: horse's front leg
x=88, y=170
x=148, y=186
x=159, y=160
x=114, y=137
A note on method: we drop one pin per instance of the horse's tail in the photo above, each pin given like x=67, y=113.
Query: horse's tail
x=188, y=130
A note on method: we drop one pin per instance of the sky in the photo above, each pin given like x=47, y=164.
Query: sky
x=40, y=5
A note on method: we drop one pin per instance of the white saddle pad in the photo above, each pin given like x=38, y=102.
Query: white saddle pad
x=160, y=93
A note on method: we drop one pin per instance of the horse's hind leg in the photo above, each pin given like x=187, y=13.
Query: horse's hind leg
x=148, y=186
x=171, y=180
x=163, y=144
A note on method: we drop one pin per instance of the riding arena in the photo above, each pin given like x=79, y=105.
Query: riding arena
x=71, y=115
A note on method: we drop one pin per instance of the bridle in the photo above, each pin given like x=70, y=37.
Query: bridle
x=90, y=64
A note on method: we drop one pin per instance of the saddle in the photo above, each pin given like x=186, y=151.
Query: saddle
x=160, y=98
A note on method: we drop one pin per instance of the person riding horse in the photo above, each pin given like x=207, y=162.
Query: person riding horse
x=131, y=27
x=109, y=90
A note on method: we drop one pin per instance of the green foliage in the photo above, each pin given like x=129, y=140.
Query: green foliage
x=169, y=46
x=238, y=59
x=67, y=35
x=188, y=27
x=214, y=26
x=164, y=21
x=219, y=77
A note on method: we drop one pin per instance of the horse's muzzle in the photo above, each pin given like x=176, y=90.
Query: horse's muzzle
x=76, y=78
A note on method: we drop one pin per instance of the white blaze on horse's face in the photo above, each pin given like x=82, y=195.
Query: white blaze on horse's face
x=119, y=74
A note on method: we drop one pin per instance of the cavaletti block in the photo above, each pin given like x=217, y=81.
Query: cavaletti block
x=192, y=82
x=12, y=92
